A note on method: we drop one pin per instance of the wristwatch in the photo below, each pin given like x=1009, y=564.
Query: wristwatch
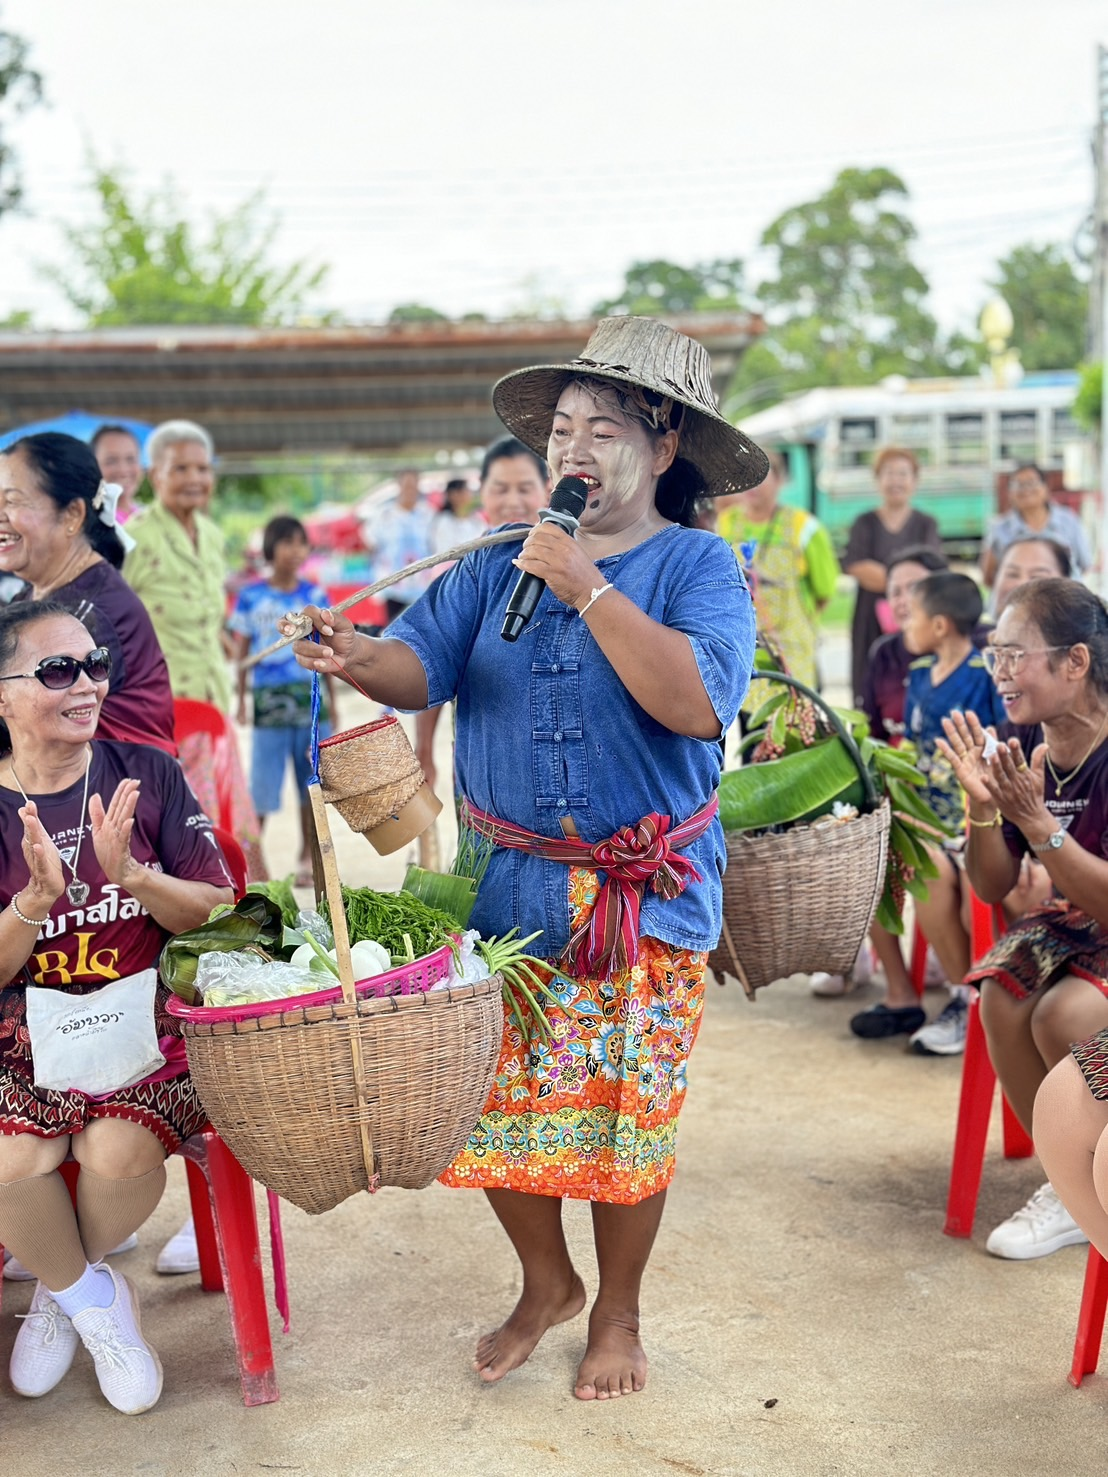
x=1052, y=842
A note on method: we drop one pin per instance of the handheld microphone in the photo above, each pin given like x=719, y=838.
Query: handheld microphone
x=567, y=503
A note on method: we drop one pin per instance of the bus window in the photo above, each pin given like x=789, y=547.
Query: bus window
x=916, y=432
x=1019, y=436
x=965, y=439
x=857, y=441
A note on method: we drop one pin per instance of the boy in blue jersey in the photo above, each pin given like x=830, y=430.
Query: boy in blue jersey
x=947, y=675
x=282, y=707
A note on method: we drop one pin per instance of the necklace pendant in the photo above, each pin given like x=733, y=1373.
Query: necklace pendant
x=77, y=892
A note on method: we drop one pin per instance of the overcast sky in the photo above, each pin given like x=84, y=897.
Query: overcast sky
x=472, y=155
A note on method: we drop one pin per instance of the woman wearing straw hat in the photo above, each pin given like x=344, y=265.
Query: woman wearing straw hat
x=589, y=750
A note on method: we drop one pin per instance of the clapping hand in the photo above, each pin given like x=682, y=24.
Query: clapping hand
x=47, y=880
x=111, y=832
x=995, y=774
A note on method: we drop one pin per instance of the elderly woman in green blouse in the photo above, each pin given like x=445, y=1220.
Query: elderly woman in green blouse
x=177, y=570
x=176, y=566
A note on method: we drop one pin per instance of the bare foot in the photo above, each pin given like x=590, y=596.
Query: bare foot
x=510, y=1345
x=614, y=1362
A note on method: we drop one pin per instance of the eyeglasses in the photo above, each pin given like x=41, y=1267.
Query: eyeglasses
x=59, y=672
x=1011, y=657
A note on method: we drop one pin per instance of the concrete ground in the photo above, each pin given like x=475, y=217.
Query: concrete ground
x=803, y=1312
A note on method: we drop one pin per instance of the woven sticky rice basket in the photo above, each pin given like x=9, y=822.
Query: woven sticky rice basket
x=340, y=1091
x=802, y=900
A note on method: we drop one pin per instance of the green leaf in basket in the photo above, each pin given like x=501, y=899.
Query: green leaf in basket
x=761, y=716
x=799, y=786
x=254, y=920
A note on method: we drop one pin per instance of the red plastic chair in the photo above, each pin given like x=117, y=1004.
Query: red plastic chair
x=235, y=858
x=1090, y=1320
x=191, y=717
x=975, y=1102
x=222, y=1196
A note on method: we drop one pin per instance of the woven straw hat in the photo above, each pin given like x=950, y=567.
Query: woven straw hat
x=655, y=357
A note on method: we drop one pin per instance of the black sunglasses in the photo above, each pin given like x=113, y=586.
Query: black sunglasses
x=58, y=672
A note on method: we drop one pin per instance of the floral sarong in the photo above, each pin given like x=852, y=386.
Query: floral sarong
x=593, y=1113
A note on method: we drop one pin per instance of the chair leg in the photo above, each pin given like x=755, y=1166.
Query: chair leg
x=975, y=1105
x=211, y=1273
x=1017, y=1141
x=236, y=1224
x=1090, y=1320
x=917, y=969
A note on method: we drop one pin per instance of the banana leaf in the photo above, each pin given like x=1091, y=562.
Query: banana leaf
x=254, y=921
x=798, y=787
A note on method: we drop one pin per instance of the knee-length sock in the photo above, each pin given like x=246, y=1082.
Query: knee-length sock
x=39, y=1226
x=108, y=1210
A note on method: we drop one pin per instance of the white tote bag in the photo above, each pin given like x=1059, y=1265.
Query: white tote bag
x=94, y=1043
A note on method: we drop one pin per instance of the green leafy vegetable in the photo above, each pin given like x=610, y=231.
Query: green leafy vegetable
x=254, y=922
x=279, y=892
x=387, y=916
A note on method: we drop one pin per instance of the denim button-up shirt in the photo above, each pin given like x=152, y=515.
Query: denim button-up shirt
x=545, y=728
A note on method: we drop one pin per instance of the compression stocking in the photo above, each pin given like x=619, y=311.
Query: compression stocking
x=108, y=1210
x=37, y=1225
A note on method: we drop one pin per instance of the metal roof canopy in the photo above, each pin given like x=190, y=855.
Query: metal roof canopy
x=304, y=394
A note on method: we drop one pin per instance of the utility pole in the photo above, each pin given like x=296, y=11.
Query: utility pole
x=1098, y=296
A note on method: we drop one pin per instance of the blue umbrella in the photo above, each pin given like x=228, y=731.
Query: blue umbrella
x=80, y=424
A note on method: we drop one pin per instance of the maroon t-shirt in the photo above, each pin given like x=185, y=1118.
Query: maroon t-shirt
x=1081, y=809
x=111, y=934
x=138, y=708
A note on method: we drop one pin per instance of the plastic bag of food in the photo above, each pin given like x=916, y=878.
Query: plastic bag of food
x=466, y=965
x=247, y=978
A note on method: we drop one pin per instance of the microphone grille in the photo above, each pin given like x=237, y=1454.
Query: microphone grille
x=569, y=497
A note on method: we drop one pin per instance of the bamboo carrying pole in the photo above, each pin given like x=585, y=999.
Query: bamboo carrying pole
x=450, y=556
x=333, y=887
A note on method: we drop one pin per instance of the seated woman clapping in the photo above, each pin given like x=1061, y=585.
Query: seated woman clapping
x=103, y=853
x=1044, y=789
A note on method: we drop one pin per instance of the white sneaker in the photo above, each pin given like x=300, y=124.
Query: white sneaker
x=180, y=1253
x=1043, y=1225
x=15, y=1271
x=44, y=1346
x=946, y=1034
x=129, y=1372
x=831, y=986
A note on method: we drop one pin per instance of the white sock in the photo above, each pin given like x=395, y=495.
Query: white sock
x=94, y=1288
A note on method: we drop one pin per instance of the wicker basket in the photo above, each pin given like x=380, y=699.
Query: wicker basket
x=340, y=1091
x=278, y=1083
x=803, y=899
x=373, y=779
x=800, y=901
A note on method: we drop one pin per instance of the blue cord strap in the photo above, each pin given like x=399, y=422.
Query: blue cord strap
x=316, y=701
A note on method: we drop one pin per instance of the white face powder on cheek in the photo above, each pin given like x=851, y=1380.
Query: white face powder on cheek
x=624, y=474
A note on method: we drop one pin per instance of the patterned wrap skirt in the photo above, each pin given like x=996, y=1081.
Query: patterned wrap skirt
x=592, y=1113
x=169, y=1108
x=1042, y=946
x=1092, y=1057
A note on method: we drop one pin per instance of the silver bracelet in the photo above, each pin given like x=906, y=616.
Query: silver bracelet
x=593, y=598
x=30, y=922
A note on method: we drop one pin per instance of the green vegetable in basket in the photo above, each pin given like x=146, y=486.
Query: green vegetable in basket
x=386, y=917
x=253, y=922
x=281, y=893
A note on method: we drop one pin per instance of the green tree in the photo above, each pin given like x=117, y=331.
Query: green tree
x=416, y=313
x=142, y=261
x=20, y=88
x=1049, y=303
x=846, y=301
x=659, y=286
x=1088, y=402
